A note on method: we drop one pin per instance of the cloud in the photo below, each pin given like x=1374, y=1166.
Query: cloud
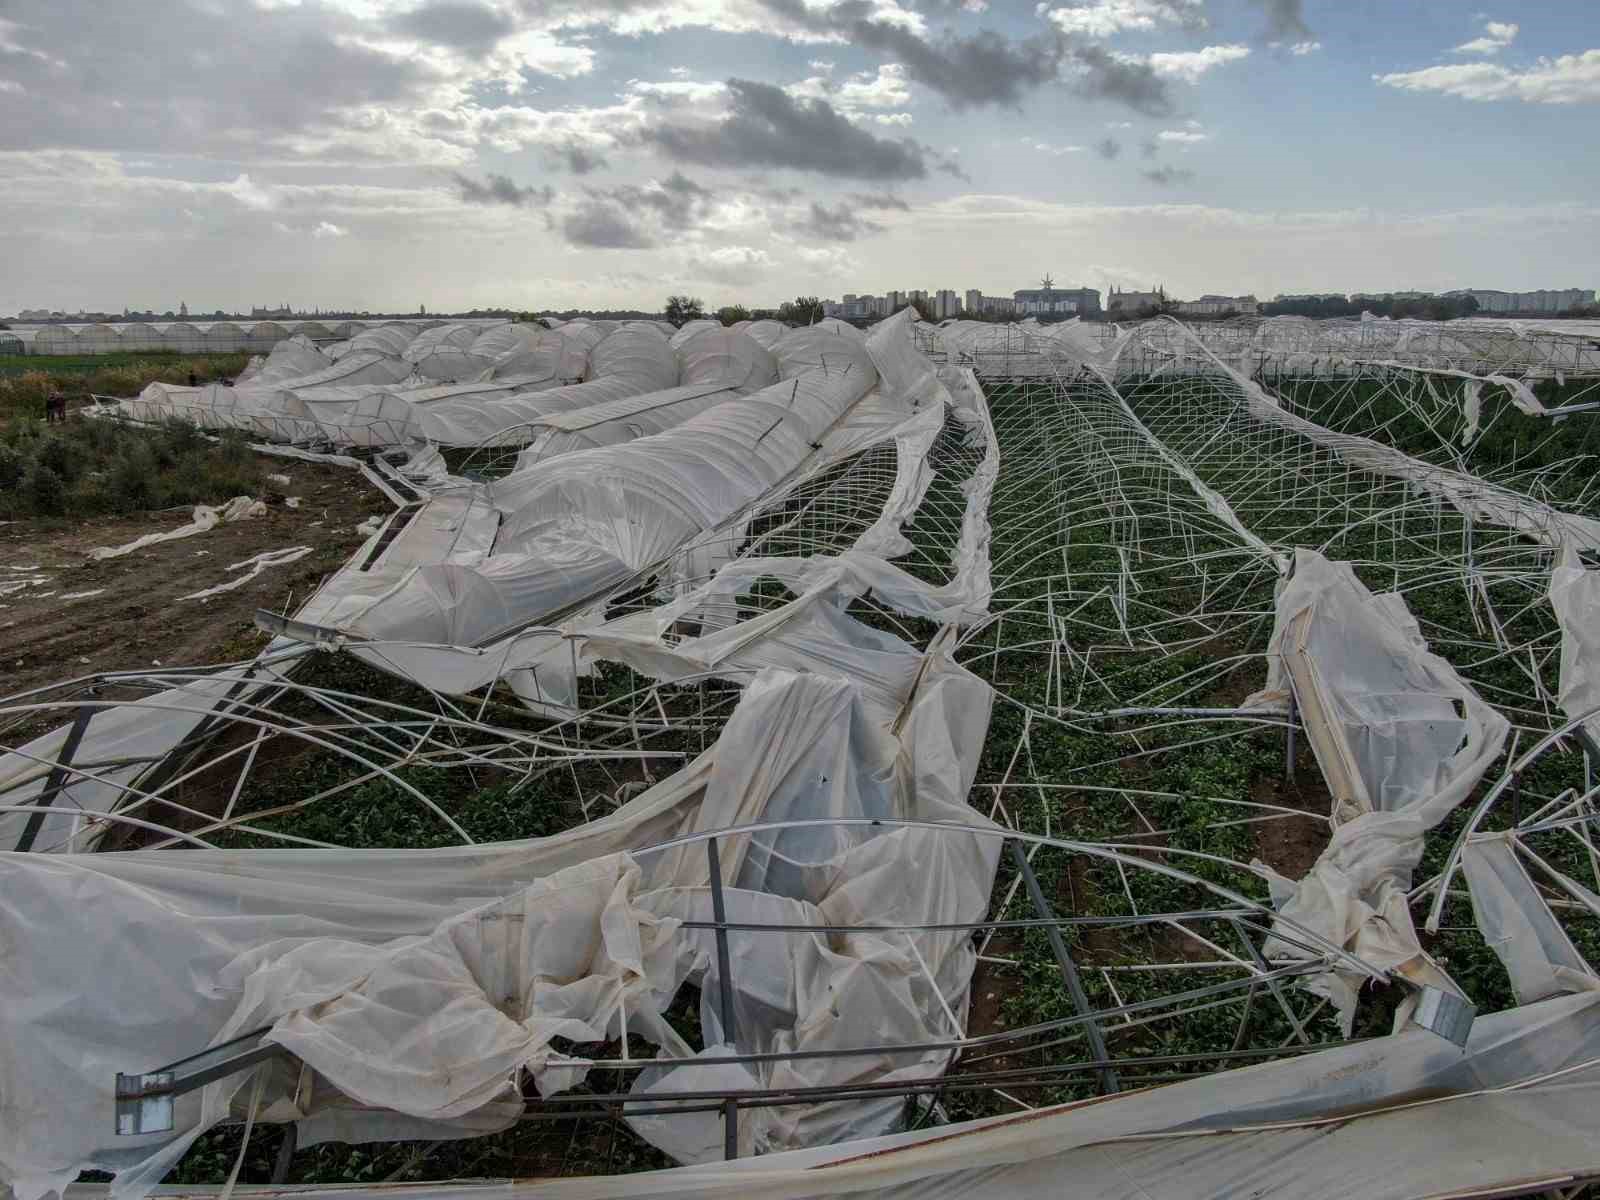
x=1301, y=49
x=327, y=229
x=838, y=224
x=1108, y=148
x=1190, y=65
x=1286, y=20
x=11, y=85
x=1046, y=148
x=766, y=127
x=601, y=225
x=579, y=159
x=731, y=264
x=499, y=189
x=250, y=194
x=878, y=200
x=1103, y=18
x=457, y=23
x=1168, y=176
x=1186, y=137
x=1569, y=79
x=983, y=68
x=1497, y=35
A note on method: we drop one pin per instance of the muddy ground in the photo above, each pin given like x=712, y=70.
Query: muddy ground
x=137, y=616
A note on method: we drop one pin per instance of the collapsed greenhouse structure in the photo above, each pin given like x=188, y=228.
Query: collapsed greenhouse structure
x=956, y=758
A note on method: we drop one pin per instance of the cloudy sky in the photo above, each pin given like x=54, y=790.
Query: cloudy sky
x=378, y=154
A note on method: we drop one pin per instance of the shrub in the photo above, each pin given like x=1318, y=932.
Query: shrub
x=12, y=468
x=60, y=455
x=131, y=483
x=47, y=493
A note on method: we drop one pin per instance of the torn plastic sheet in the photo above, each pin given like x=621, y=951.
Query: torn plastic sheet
x=1518, y=925
x=122, y=740
x=1362, y=1120
x=252, y=567
x=392, y=972
x=205, y=518
x=1401, y=740
x=1575, y=597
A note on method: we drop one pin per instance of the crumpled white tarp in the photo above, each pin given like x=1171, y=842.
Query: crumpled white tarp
x=205, y=518
x=401, y=978
x=1401, y=740
x=1408, y=1118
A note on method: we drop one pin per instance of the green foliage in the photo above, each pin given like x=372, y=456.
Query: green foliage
x=683, y=309
x=802, y=310
x=46, y=493
x=732, y=314
x=26, y=381
x=12, y=468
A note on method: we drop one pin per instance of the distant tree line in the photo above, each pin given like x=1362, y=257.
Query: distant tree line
x=1431, y=308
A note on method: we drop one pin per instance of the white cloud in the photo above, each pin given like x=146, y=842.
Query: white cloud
x=886, y=89
x=1497, y=35
x=1047, y=148
x=901, y=119
x=250, y=194
x=10, y=85
x=731, y=264
x=680, y=72
x=1301, y=49
x=1184, y=137
x=821, y=64
x=1189, y=65
x=1570, y=79
x=1103, y=18
x=327, y=229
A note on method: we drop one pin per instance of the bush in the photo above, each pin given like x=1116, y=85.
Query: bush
x=47, y=493
x=60, y=455
x=131, y=483
x=12, y=468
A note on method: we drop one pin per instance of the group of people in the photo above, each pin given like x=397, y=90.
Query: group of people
x=55, y=406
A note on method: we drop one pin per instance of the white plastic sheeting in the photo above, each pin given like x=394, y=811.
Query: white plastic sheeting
x=1411, y=1118
x=577, y=525
x=390, y=975
x=1401, y=740
x=205, y=518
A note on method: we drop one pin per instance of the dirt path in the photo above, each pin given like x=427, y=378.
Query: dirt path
x=135, y=617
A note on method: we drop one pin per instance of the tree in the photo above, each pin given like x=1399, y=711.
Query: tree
x=732, y=314
x=802, y=310
x=924, y=309
x=683, y=309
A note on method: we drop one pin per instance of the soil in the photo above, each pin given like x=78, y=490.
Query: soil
x=1291, y=845
x=138, y=618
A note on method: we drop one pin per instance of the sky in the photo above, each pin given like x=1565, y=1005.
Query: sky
x=550, y=154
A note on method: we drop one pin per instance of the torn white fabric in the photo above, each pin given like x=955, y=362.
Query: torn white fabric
x=205, y=518
x=252, y=567
x=1518, y=925
x=1401, y=740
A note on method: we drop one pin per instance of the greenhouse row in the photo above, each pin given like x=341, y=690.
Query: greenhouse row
x=190, y=337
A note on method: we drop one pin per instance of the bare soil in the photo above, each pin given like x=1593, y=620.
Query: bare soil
x=49, y=632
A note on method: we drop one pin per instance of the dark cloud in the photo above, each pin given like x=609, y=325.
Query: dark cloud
x=767, y=127
x=1108, y=148
x=984, y=68
x=579, y=159
x=629, y=216
x=1100, y=75
x=1286, y=20
x=601, y=225
x=1149, y=148
x=878, y=200
x=1168, y=176
x=458, y=23
x=838, y=224
x=499, y=189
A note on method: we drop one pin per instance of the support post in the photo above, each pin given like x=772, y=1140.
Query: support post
x=730, y=1108
x=57, y=779
x=1069, y=971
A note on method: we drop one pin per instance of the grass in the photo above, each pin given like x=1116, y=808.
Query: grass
x=25, y=381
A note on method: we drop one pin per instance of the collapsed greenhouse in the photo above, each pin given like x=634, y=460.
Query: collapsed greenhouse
x=957, y=758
